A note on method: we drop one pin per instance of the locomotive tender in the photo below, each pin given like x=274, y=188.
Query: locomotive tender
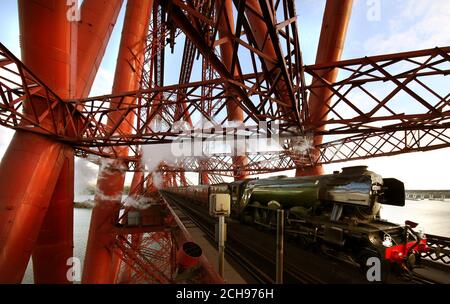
x=339, y=212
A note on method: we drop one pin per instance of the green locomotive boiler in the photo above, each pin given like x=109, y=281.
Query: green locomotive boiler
x=340, y=211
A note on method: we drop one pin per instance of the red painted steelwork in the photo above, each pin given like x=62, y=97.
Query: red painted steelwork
x=32, y=165
x=94, y=29
x=25, y=195
x=36, y=175
x=101, y=263
x=55, y=242
x=331, y=44
x=357, y=126
x=225, y=27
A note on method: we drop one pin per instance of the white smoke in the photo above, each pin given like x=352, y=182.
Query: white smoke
x=303, y=144
x=103, y=197
x=88, y=172
x=157, y=180
x=234, y=124
x=110, y=166
x=140, y=202
x=154, y=155
x=85, y=177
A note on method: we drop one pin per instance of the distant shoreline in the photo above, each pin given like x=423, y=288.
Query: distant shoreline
x=428, y=199
x=89, y=204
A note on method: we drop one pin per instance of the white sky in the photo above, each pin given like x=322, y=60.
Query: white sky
x=403, y=25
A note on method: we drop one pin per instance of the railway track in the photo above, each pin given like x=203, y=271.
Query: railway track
x=236, y=245
x=418, y=279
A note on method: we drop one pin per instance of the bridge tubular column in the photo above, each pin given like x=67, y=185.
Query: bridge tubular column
x=331, y=44
x=89, y=38
x=137, y=183
x=32, y=165
x=203, y=178
x=226, y=29
x=28, y=174
x=101, y=261
x=97, y=22
x=55, y=242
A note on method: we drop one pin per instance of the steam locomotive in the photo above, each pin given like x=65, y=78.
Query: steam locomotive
x=340, y=212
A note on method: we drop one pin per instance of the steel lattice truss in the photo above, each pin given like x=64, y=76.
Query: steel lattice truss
x=385, y=105
x=150, y=260
x=380, y=105
x=148, y=252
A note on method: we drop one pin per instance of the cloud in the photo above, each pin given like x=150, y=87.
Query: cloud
x=421, y=24
x=419, y=170
x=416, y=24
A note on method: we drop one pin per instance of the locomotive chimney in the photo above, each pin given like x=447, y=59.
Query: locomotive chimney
x=354, y=170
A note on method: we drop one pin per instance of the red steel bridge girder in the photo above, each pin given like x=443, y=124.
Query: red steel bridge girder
x=101, y=264
x=357, y=77
x=331, y=44
x=92, y=35
x=51, y=58
x=26, y=198
x=148, y=251
x=225, y=26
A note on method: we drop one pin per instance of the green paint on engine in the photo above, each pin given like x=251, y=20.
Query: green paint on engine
x=305, y=195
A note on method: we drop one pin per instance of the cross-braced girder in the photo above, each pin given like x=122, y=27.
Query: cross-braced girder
x=380, y=105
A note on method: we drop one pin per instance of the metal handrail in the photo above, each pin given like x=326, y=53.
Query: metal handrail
x=439, y=249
